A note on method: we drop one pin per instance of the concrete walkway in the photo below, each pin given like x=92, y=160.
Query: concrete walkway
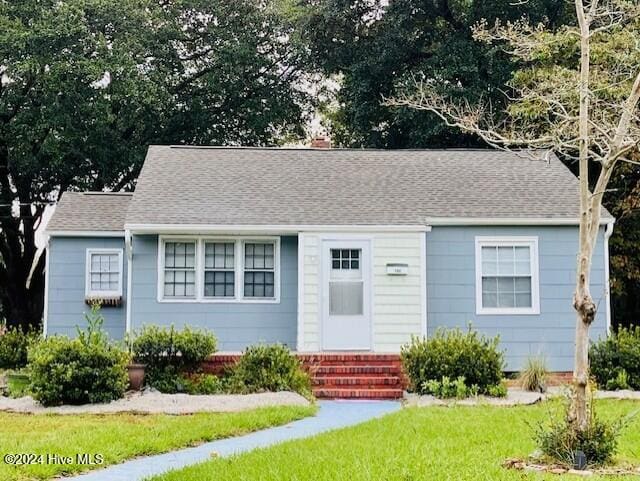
x=331, y=415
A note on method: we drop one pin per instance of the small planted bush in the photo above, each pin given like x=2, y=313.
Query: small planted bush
x=88, y=369
x=559, y=442
x=167, y=353
x=202, y=384
x=269, y=368
x=14, y=344
x=615, y=361
x=453, y=354
x=447, y=389
x=534, y=375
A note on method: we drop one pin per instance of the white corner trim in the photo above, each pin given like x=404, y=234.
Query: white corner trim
x=203, y=229
x=88, y=291
x=529, y=241
x=200, y=241
x=300, y=337
x=85, y=233
x=607, y=234
x=461, y=221
x=129, y=247
x=47, y=285
x=423, y=283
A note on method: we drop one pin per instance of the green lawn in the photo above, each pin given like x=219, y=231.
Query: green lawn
x=121, y=436
x=430, y=444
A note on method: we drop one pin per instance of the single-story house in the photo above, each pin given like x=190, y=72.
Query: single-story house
x=331, y=250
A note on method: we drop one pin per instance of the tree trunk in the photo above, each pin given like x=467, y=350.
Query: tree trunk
x=582, y=302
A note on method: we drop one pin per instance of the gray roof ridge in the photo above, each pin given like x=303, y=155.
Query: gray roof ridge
x=343, y=149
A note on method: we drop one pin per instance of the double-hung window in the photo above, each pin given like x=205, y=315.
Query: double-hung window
x=219, y=269
x=223, y=269
x=103, y=273
x=180, y=269
x=507, y=275
x=259, y=270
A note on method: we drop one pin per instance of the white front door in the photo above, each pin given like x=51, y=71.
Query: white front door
x=346, y=295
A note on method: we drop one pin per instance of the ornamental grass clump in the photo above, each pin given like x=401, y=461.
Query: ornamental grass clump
x=454, y=354
x=533, y=376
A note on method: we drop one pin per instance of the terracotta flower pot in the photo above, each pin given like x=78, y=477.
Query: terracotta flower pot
x=136, y=376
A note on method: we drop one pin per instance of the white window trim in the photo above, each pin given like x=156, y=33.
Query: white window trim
x=532, y=243
x=91, y=294
x=239, y=242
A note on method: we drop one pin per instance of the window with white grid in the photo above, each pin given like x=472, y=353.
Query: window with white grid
x=180, y=269
x=506, y=276
x=219, y=269
x=104, y=272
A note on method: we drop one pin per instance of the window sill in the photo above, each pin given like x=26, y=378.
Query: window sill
x=219, y=301
x=508, y=312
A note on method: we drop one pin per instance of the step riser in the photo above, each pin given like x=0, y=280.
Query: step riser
x=358, y=394
x=356, y=382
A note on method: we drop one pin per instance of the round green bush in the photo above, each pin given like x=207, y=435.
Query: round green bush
x=615, y=361
x=159, y=347
x=14, y=344
x=77, y=371
x=453, y=354
x=269, y=368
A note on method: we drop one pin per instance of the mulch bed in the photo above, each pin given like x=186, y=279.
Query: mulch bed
x=523, y=465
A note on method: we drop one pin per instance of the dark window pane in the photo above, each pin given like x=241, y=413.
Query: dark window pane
x=335, y=264
x=335, y=254
x=354, y=264
x=355, y=253
x=345, y=264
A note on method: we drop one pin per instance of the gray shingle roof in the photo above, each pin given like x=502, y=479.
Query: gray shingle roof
x=247, y=186
x=90, y=211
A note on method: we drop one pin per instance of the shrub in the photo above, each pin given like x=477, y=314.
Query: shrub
x=14, y=344
x=617, y=353
x=446, y=388
x=558, y=440
x=88, y=369
x=269, y=368
x=534, y=375
x=167, y=352
x=202, y=384
x=497, y=390
x=453, y=354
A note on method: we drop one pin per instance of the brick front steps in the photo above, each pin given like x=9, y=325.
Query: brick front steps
x=342, y=375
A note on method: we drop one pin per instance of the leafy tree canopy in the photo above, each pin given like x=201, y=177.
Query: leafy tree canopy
x=372, y=48
x=88, y=84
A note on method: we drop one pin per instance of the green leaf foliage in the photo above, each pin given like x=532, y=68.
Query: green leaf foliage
x=615, y=360
x=268, y=368
x=168, y=352
x=371, y=49
x=453, y=354
x=87, y=85
x=87, y=369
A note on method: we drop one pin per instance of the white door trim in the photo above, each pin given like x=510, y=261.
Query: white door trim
x=340, y=241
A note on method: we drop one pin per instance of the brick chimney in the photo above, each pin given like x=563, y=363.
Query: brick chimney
x=320, y=142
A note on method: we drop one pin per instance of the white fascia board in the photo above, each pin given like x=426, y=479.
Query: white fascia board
x=266, y=229
x=455, y=221
x=84, y=233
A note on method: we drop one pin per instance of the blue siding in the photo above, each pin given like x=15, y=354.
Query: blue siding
x=451, y=292
x=67, y=272
x=236, y=325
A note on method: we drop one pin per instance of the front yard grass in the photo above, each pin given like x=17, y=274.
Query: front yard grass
x=430, y=444
x=119, y=437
